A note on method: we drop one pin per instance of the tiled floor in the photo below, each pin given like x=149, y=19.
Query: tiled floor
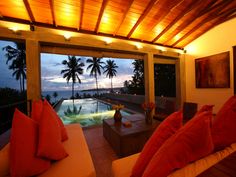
x=101, y=152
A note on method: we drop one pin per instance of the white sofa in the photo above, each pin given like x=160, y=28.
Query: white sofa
x=123, y=167
x=77, y=164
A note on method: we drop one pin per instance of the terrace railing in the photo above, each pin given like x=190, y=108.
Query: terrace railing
x=7, y=112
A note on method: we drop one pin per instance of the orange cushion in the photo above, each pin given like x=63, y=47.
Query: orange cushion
x=228, y=104
x=224, y=125
x=207, y=107
x=50, y=145
x=204, y=108
x=191, y=142
x=37, y=108
x=23, y=145
x=165, y=130
x=5, y=161
x=64, y=135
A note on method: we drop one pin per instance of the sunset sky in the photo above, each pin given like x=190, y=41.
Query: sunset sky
x=51, y=68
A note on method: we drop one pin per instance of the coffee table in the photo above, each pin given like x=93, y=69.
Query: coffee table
x=128, y=140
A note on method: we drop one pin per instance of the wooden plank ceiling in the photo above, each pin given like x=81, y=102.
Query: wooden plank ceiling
x=172, y=23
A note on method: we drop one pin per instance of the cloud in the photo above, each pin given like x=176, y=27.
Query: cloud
x=52, y=79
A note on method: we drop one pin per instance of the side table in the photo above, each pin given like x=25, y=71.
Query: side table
x=127, y=140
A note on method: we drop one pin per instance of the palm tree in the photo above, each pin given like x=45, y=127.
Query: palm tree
x=95, y=68
x=55, y=94
x=74, y=68
x=18, y=57
x=110, y=70
x=48, y=98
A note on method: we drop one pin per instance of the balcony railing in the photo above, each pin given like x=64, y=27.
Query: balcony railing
x=7, y=112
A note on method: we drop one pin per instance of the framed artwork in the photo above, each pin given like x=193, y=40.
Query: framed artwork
x=213, y=71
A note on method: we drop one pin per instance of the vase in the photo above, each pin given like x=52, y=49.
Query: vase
x=148, y=117
x=117, y=116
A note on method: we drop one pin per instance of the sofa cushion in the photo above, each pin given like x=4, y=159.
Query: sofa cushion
x=64, y=135
x=197, y=167
x=23, y=145
x=123, y=167
x=79, y=162
x=165, y=130
x=50, y=145
x=37, y=108
x=4, y=161
x=207, y=107
x=224, y=125
x=192, y=142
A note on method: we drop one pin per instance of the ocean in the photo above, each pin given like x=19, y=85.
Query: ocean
x=66, y=94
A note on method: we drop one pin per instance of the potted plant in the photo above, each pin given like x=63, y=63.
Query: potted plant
x=117, y=115
x=148, y=107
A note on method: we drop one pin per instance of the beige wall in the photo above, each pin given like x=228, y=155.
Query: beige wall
x=217, y=40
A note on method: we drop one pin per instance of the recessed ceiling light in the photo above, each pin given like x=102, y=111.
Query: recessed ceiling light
x=107, y=41
x=14, y=28
x=67, y=36
x=138, y=46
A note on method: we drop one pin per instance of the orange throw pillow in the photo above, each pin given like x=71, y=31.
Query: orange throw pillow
x=37, y=108
x=224, y=125
x=23, y=147
x=64, y=135
x=165, y=130
x=50, y=145
x=207, y=107
x=191, y=142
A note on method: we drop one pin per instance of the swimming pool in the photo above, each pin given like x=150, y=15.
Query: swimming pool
x=87, y=111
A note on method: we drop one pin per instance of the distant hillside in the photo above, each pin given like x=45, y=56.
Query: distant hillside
x=103, y=89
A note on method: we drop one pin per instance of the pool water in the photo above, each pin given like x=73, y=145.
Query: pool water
x=87, y=111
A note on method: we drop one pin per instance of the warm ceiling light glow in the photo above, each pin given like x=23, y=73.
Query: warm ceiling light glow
x=177, y=37
x=133, y=22
x=105, y=18
x=159, y=30
x=161, y=48
x=107, y=41
x=14, y=28
x=138, y=46
x=67, y=36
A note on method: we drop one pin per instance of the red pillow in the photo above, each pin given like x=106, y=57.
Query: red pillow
x=165, y=130
x=23, y=145
x=64, y=135
x=191, y=142
x=37, y=108
x=228, y=104
x=207, y=107
x=224, y=125
x=50, y=145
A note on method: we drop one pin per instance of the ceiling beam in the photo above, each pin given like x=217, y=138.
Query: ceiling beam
x=104, y=3
x=81, y=14
x=221, y=20
x=161, y=16
x=206, y=20
x=123, y=17
x=198, y=15
x=199, y=11
x=193, y=5
x=145, y=12
x=29, y=11
x=53, y=13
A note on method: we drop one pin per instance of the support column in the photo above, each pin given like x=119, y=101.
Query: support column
x=149, y=78
x=182, y=79
x=33, y=69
